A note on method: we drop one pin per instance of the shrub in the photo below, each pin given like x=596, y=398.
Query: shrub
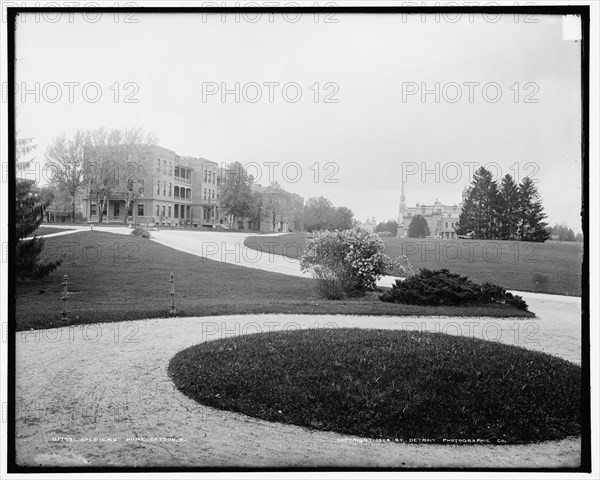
x=331, y=284
x=441, y=287
x=345, y=262
x=399, y=267
x=141, y=231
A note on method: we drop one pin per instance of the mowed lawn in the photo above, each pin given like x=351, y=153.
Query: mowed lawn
x=117, y=278
x=549, y=267
x=48, y=230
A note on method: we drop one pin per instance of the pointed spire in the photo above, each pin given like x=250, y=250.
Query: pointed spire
x=402, y=206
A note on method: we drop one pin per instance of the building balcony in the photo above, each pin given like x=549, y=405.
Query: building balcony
x=187, y=181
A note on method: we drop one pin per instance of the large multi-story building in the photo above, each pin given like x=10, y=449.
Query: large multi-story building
x=163, y=188
x=441, y=219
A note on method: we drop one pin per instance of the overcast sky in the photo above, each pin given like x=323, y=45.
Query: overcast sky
x=360, y=119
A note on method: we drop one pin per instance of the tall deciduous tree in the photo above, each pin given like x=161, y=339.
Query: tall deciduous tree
x=389, y=226
x=418, y=227
x=532, y=227
x=563, y=232
x=343, y=218
x=317, y=214
x=236, y=199
x=64, y=162
x=320, y=214
x=111, y=162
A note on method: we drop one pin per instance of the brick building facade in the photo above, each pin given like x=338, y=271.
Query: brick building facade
x=167, y=189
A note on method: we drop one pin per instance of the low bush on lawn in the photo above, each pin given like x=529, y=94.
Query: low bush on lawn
x=441, y=287
x=388, y=384
x=141, y=231
x=347, y=262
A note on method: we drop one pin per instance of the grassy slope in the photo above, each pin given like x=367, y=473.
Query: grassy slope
x=531, y=267
x=387, y=384
x=130, y=280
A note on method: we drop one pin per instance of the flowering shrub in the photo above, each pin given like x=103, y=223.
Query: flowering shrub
x=347, y=262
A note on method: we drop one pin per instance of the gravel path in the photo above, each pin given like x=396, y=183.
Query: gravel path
x=109, y=382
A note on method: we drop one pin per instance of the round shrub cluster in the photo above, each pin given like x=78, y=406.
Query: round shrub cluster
x=441, y=287
x=347, y=262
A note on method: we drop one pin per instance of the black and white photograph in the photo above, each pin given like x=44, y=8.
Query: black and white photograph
x=299, y=237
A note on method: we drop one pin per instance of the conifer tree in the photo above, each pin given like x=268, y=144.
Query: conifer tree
x=531, y=226
x=30, y=213
x=508, y=208
x=480, y=208
x=418, y=227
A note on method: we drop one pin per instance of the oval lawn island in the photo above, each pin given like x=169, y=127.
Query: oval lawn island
x=387, y=384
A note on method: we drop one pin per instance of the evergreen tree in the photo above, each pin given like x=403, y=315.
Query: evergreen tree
x=30, y=214
x=479, y=212
x=418, y=227
x=531, y=226
x=508, y=208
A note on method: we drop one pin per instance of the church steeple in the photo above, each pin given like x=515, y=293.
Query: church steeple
x=402, y=200
x=401, y=211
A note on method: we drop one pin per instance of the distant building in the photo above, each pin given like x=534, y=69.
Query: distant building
x=441, y=219
x=280, y=211
x=369, y=225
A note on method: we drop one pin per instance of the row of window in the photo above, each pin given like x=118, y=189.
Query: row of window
x=438, y=224
x=179, y=171
x=164, y=167
x=211, y=194
x=179, y=192
x=178, y=212
x=161, y=210
x=167, y=212
x=183, y=173
x=210, y=176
